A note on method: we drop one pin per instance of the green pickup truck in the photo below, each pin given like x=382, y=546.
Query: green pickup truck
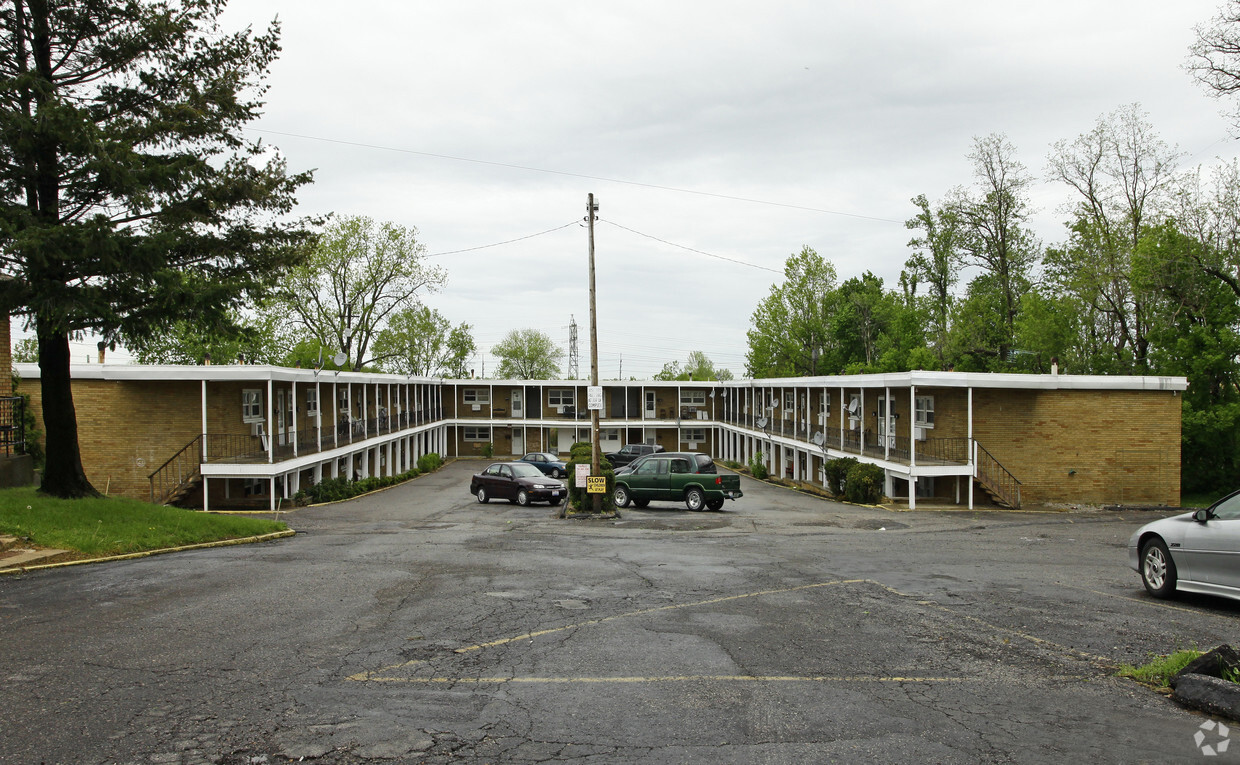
x=686, y=477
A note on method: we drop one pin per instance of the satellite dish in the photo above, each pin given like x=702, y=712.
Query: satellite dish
x=818, y=438
x=338, y=359
x=761, y=422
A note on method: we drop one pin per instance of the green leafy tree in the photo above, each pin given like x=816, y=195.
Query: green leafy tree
x=697, y=367
x=788, y=334
x=235, y=336
x=357, y=275
x=527, y=354
x=129, y=195
x=1122, y=173
x=421, y=341
x=26, y=351
x=994, y=232
x=936, y=263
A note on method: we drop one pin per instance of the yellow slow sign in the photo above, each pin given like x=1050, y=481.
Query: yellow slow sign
x=596, y=484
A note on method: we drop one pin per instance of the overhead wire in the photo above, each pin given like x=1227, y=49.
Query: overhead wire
x=585, y=176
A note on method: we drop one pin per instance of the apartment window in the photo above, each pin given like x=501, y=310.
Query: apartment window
x=252, y=405
x=694, y=435
x=693, y=398
x=477, y=396
x=826, y=406
x=560, y=397
x=924, y=415
x=477, y=434
x=312, y=402
x=790, y=399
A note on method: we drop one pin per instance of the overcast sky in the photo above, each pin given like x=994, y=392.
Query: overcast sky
x=742, y=130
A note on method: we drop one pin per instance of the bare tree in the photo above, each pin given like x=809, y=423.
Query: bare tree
x=357, y=274
x=1122, y=173
x=993, y=224
x=1214, y=57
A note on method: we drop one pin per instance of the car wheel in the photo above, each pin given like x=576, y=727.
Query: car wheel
x=715, y=504
x=1158, y=569
x=621, y=496
x=694, y=499
x=561, y=474
x=641, y=503
x=482, y=495
x=523, y=498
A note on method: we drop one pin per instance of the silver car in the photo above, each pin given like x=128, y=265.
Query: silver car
x=1193, y=552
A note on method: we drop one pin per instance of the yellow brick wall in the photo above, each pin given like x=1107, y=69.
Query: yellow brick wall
x=1095, y=447
x=127, y=430
x=6, y=357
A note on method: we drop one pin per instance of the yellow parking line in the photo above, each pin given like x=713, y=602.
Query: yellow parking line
x=667, y=679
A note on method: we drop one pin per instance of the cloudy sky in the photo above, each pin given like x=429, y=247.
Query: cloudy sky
x=718, y=138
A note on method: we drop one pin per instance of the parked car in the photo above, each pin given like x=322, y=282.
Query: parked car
x=549, y=464
x=1191, y=552
x=687, y=477
x=630, y=452
x=518, y=482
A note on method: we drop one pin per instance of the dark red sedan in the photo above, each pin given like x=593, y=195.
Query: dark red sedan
x=518, y=482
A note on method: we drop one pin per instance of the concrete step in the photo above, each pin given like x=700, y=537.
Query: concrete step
x=18, y=557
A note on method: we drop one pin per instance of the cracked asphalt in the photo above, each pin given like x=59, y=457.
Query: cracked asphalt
x=417, y=626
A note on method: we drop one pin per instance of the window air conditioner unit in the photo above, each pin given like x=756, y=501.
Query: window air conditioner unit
x=559, y=410
x=256, y=429
x=477, y=407
x=693, y=446
x=919, y=434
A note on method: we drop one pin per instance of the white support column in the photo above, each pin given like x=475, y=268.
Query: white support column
x=318, y=414
x=271, y=442
x=861, y=414
x=971, y=454
x=912, y=425
x=206, y=502
x=293, y=406
x=204, y=437
x=271, y=493
x=887, y=420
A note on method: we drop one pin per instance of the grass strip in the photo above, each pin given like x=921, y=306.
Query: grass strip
x=1157, y=672
x=104, y=526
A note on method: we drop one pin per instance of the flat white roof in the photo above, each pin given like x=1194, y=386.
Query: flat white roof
x=264, y=372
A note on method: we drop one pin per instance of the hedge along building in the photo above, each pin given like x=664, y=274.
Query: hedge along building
x=244, y=434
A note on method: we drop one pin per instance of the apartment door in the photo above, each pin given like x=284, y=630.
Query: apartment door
x=650, y=405
x=518, y=410
x=518, y=436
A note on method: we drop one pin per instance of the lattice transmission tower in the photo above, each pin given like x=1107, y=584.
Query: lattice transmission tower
x=572, y=348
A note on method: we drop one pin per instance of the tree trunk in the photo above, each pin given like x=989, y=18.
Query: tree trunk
x=63, y=475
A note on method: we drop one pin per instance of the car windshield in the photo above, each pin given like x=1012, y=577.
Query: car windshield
x=526, y=471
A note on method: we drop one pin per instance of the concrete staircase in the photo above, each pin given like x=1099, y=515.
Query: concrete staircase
x=14, y=553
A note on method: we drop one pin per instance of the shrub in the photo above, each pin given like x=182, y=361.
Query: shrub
x=757, y=467
x=488, y=450
x=430, y=462
x=582, y=453
x=864, y=483
x=836, y=471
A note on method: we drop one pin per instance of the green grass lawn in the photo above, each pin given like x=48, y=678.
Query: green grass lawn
x=113, y=526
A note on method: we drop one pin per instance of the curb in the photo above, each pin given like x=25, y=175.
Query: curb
x=1212, y=695
x=148, y=553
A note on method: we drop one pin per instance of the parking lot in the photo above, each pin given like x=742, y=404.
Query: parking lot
x=415, y=625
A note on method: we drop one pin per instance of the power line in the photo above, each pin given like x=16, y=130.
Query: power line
x=604, y=179
x=507, y=241
x=690, y=249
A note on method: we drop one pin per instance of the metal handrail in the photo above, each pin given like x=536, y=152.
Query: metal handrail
x=994, y=477
x=12, y=425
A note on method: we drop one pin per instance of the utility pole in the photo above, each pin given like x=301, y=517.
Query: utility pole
x=595, y=456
